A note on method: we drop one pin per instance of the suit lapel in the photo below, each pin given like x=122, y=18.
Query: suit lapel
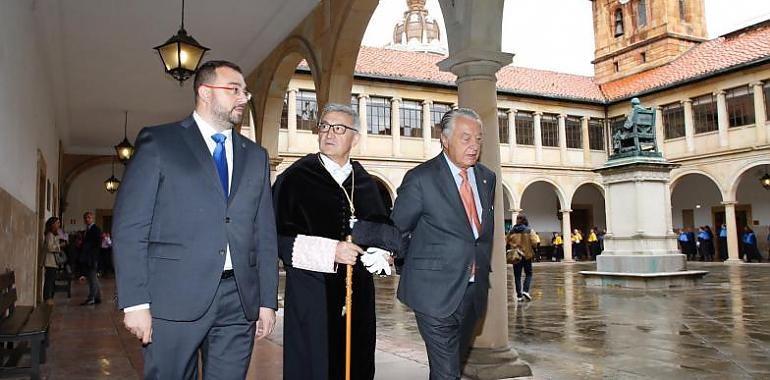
x=194, y=140
x=239, y=161
x=448, y=186
x=482, y=186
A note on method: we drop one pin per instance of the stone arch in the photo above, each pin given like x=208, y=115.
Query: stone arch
x=585, y=213
x=735, y=182
x=560, y=193
x=599, y=187
x=675, y=179
x=510, y=195
x=267, y=105
x=72, y=175
x=387, y=185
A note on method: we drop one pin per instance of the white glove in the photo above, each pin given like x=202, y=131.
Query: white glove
x=375, y=261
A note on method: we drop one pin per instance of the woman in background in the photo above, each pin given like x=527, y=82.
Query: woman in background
x=52, y=248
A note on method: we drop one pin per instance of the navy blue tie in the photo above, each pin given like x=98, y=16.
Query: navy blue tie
x=220, y=159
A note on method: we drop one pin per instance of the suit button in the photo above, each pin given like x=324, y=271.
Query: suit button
x=227, y=219
x=222, y=252
x=476, y=244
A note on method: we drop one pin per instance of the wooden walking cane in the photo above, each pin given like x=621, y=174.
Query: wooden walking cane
x=348, y=312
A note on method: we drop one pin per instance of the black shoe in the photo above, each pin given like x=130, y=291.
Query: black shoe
x=89, y=301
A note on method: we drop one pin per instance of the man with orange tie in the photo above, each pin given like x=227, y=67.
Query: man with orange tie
x=445, y=208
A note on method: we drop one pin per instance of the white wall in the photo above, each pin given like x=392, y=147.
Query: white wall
x=590, y=195
x=87, y=194
x=540, y=203
x=689, y=192
x=26, y=106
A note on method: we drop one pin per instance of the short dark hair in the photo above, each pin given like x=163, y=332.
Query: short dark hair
x=208, y=71
x=522, y=219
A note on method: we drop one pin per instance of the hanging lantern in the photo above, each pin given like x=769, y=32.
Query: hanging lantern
x=124, y=150
x=112, y=183
x=181, y=54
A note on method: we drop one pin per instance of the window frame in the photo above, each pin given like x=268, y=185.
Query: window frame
x=739, y=102
x=378, y=103
x=410, y=109
x=525, y=128
x=549, y=130
x=672, y=115
x=704, y=112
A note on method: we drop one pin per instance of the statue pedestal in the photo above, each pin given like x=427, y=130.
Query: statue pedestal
x=640, y=249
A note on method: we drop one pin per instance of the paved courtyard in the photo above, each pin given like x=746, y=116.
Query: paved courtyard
x=719, y=331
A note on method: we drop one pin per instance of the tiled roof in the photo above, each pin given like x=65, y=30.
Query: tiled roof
x=746, y=46
x=736, y=49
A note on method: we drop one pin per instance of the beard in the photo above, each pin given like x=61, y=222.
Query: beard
x=231, y=117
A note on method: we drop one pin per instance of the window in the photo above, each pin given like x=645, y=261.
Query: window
x=378, y=116
x=596, y=134
x=411, y=118
x=573, y=129
x=767, y=100
x=549, y=130
x=673, y=120
x=307, y=110
x=618, y=22
x=285, y=112
x=682, y=9
x=704, y=114
x=525, y=128
x=642, y=12
x=437, y=111
x=617, y=66
x=740, y=106
x=354, y=102
x=502, y=126
x=643, y=57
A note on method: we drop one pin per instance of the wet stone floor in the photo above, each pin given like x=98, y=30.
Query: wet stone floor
x=720, y=330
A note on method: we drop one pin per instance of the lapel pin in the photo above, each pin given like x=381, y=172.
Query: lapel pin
x=243, y=145
x=485, y=181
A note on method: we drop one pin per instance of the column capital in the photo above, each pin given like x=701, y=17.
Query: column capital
x=686, y=101
x=585, y=118
x=658, y=108
x=537, y=113
x=563, y=116
x=427, y=102
x=363, y=96
x=756, y=84
x=729, y=203
x=511, y=111
x=395, y=100
x=291, y=89
x=472, y=64
x=719, y=93
x=565, y=211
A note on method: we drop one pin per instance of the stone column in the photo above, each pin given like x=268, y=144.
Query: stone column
x=363, y=127
x=512, y=135
x=291, y=120
x=566, y=234
x=659, y=134
x=538, y=137
x=426, y=128
x=563, y=138
x=689, y=127
x=722, y=120
x=732, y=232
x=760, y=115
x=395, y=125
x=586, y=142
x=491, y=356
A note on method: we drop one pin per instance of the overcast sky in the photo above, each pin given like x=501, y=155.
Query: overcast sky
x=558, y=34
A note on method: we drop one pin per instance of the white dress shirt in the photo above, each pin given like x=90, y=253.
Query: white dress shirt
x=339, y=173
x=472, y=179
x=207, y=131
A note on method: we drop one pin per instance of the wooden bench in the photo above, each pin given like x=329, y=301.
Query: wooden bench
x=23, y=330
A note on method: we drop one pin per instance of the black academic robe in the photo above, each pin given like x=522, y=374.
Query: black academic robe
x=309, y=202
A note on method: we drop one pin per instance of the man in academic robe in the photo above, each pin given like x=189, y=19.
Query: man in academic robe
x=317, y=201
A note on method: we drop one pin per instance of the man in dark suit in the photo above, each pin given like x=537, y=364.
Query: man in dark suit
x=194, y=237
x=92, y=244
x=445, y=206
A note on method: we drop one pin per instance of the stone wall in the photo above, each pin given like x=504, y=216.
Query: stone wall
x=18, y=245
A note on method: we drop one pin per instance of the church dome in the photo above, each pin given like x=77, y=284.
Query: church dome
x=418, y=31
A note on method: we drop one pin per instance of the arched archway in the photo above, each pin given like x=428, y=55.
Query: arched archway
x=588, y=212
x=541, y=202
x=510, y=204
x=752, y=207
x=696, y=202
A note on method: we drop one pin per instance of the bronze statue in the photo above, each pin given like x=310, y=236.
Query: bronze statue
x=637, y=135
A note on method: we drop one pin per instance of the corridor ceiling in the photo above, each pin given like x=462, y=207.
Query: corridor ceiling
x=100, y=60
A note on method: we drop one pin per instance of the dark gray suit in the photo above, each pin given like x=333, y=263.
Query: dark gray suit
x=435, y=277
x=172, y=226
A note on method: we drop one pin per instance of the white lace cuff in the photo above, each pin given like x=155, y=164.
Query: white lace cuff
x=136, y=307
x=314, y=253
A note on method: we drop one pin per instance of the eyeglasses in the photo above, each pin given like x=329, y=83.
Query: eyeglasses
x=338, y=129
x=235, y=91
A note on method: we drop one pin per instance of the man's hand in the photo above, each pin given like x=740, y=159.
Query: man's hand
x=139, y=323
x=346, y=253
x=266, y=322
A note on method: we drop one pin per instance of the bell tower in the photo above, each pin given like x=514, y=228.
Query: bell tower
x=417, y=31
x=637, y=35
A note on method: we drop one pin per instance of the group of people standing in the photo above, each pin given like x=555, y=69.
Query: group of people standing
x=701, y=246
x=198, y=233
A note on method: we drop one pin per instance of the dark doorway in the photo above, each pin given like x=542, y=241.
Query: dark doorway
x=742, y=216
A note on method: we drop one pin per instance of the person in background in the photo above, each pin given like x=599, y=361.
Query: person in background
x=749, y=240
x=577, y=244
x=52, y=248
x=558, y=246
x=92, y=242
x=593, y=244
x=682, y=239
x=105, y=255
x=522, y=238
x=723, y=242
